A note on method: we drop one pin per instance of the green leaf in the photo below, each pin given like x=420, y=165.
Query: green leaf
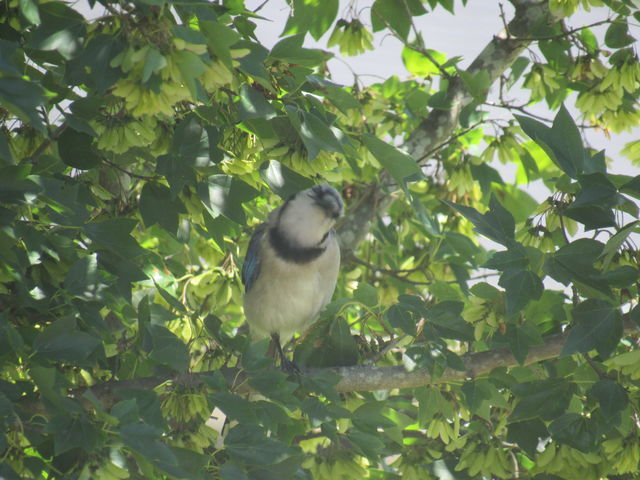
x=394, y=15
x=367, y=444
x=157, y=206
x=589, y=40
x=84, y=281
x=517, y=68
x=154, y=61
x=399, y=164
x=73, y=431
x=290, y=50
x=555, y=51
x=514, y=258
x=574, y=262
x=282, y=180
x=167, y=348
x=253, y=104
x=170, y=299
x=527, y=434
x=5, y=152
x=15, y=187
x=63, y=342
x=617, y=35
x=430, y=403
x=252, y=64
x=477, y=85
x=621, y=277
x=62, y=30
x=224, y=194
x=615, y=242
x=544, y=399
x=114, y=236
x=313, y=16
x=29, y=8
x=521, y=286
x=76, y=150
x=249, y=444
x=369, y=416
x=329, y=345
x=220, y=38
x=231, y=471
x=497, y=224
x=592, y=205
x=23, y=98
x=575, y=430
x=485, y=291
x=476, y=393
x=421, y=65
x=235, y=407
x=562, y=142
x=611, y=396
x=399, y=316
x=366, y=294
x=191, y=67
x=520, y=338
x=598, y=325
x=146, y=440
x=314, y=132
x=97, y=55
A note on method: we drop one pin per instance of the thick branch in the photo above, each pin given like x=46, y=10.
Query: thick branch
x=385, y=378
x=355, y=378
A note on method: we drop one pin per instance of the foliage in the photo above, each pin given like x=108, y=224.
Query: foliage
x=140, y=147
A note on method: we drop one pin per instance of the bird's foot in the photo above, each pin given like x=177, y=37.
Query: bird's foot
x=289, y=367
x=286, y=365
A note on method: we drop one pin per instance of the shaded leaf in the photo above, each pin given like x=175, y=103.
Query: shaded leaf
x=73, y=431
x=598, y=325
x=544, y=399
x=611, y=396
x=157, y=206
x=62, y=341
x=575, y=430
x=399, y=164
x=521, y=286
x=527, y=434
x=497, y=224
x=253, y=104
x=617, y=35
x=282, y=180
x=562, y=142
x=224, y=194
x=167, y=348
x=84, y=281
x=249, y=443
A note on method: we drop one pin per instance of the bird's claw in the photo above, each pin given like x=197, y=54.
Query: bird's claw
x=289, y=367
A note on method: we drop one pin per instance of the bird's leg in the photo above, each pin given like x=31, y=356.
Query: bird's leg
x=287, y=365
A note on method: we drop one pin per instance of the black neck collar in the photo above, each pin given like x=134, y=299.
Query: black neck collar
x=286, y=250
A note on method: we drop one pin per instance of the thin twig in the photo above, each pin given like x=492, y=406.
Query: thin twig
x=451, y=139
x=384, y=271
x=46, y=144
x=568, y=33
x=131, y=174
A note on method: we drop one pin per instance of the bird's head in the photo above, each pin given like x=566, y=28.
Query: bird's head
x=327, y=199
x=309, y=215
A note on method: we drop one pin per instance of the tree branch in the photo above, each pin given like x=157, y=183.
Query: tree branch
x=354, y=378
x=439, y=125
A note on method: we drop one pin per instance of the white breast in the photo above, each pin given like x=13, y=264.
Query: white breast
x=286, y=298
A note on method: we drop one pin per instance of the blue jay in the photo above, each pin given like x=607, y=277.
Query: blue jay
x=291, y=266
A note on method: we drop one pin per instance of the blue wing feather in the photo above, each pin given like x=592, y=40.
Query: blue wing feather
x=251, y=266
